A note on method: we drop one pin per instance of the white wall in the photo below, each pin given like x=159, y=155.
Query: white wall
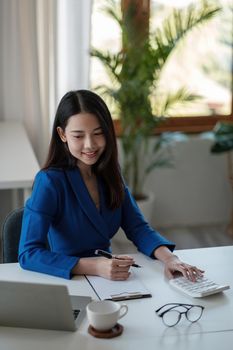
x=196, y=191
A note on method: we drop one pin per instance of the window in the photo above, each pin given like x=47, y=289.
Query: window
x=105, y=35
x=205, y=57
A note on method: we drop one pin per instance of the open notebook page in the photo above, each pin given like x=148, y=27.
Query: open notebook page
x=132, y=288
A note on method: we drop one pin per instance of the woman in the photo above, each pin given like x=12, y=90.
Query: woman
x=79, y=201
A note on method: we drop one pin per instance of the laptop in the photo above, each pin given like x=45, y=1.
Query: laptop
x=43, y=306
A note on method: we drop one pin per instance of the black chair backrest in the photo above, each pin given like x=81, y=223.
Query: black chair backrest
x=11, y=231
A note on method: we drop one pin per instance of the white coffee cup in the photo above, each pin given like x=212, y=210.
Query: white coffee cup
x=103, y=315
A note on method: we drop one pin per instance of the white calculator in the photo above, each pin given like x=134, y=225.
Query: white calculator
x=201, y=288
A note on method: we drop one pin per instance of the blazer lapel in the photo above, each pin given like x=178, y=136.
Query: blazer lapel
x=86, y=202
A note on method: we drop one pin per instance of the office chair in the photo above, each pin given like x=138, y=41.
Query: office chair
x=11, y=230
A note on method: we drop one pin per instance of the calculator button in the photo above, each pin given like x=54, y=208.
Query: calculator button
x=202, y=287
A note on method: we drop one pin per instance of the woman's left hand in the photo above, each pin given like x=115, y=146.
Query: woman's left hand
x=173, y=265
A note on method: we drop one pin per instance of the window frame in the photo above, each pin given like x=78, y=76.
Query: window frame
x=189, y=124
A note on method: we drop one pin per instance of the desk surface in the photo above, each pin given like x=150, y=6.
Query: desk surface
x=18, y=161
x=142, y=328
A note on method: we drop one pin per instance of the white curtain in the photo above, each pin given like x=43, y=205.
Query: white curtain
x=44, y=52
x=73, y=45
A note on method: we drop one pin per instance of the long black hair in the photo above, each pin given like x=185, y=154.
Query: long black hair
x=107, y=166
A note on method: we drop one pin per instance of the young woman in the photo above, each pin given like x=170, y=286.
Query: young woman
x=79, y=201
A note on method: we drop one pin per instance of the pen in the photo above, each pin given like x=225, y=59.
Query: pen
x=109, y=256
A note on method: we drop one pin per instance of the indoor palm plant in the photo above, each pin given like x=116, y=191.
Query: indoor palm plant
x=135, y=72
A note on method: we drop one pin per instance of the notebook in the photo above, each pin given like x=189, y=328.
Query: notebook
x=105, y=289
x=43, y=306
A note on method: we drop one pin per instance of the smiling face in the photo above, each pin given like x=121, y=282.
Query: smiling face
x=84, y=137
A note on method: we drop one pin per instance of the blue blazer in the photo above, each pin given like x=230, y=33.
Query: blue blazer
x=61, y=211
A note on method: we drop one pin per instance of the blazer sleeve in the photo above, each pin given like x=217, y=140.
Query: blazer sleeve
x=40, y=211
x=138, y=230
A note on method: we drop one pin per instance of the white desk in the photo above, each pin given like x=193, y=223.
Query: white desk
x=18, y=162
x=142, y=328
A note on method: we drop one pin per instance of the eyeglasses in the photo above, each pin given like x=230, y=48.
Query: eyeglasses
x=171, y=313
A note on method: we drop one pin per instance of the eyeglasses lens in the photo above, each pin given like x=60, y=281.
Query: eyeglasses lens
x=194, y=313
x=171, y=318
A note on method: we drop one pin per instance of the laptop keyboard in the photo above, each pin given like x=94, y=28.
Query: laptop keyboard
x=75, y=313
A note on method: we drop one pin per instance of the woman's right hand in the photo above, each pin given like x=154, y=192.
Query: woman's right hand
x=113, y=269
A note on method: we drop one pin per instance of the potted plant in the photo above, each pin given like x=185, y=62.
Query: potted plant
x=222, y=137
x=135, y=71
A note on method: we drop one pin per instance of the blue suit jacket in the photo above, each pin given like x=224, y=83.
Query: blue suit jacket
x=61, y=211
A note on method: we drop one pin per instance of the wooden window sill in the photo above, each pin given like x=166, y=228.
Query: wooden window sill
x=183, y=124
